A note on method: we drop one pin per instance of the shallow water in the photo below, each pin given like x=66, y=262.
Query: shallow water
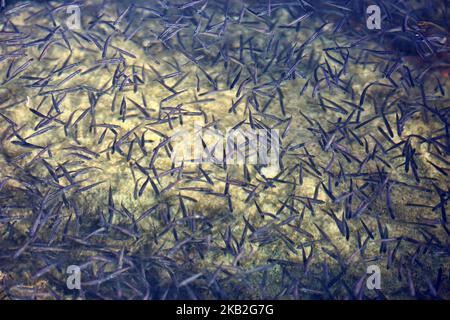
x=89, y=116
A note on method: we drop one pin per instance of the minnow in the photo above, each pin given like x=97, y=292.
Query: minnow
x=44, y=270
x=139, y=107
x=68, y=78
x=441, y=170
x=364, y=92
x=172, y=96
x=301, y=18
x=83, y=189
x=107, y=278
x=389, y=202
x=18, y=71
x=21, y=142
x=11, y=122
x=236, y=79
x=82, y=149
x=122, y=15
x=42, y=131
x=104, y=61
